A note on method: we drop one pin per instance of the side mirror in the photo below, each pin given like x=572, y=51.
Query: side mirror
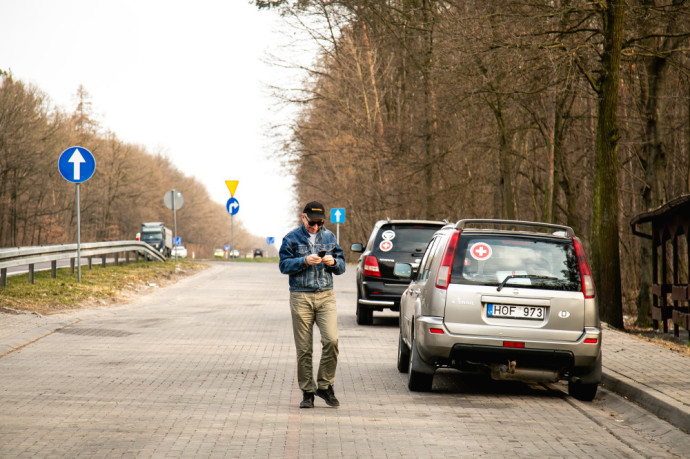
x=357, y=247
x=403, y=270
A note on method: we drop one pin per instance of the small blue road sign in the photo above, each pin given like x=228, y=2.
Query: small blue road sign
x=226, y=247
x=76, y=164
x=177, y=241
x=270, y=240
x=338, y=215
x=233, y=206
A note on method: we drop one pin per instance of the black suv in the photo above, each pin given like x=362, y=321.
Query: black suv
x=390, y=242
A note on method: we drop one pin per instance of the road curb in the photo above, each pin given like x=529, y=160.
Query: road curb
x=659, y=404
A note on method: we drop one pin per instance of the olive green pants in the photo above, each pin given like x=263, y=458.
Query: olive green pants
x=308, y=308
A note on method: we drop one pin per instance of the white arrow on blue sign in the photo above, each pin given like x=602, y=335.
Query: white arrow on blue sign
x=76, y=164
x=338, y=215
x=233, y=206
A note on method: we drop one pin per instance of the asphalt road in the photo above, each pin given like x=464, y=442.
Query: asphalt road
x=206, y=368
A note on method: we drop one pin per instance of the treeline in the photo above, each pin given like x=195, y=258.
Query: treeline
x=38, y=207
x=565, y=111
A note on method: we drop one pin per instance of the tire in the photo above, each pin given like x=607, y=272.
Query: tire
x=420, y=376
x=365, y=316
x=403, y=356
x=582, y=391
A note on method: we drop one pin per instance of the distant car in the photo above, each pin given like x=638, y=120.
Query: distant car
x=234, y=253
x=178, y=251
x=390, y=242
x=258, y=253
x=219, y=253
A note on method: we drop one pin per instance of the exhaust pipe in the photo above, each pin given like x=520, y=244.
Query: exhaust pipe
x=510, y=372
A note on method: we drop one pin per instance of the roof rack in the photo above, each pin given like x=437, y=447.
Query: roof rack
x=461, y=224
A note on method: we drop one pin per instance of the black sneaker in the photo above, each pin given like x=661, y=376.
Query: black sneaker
x=328, y=396
x=307, y=400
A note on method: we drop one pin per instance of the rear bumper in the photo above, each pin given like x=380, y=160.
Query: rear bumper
x=379, y=295
x=453, y=350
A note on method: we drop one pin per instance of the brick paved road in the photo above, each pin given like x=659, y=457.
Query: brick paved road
x=206, y=368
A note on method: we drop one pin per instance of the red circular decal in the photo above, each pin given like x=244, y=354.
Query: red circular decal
x=480, y=251
x=385, y=246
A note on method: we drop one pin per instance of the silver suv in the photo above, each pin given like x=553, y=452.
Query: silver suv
x=512, y=299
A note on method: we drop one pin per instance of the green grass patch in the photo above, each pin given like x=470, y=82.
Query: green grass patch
x=98, y=285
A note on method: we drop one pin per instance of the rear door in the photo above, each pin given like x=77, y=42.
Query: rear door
x=515, y=287
x=401, y=243
x=411, y=301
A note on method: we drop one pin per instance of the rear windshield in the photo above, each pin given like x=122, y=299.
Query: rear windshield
x=534, y=262
x=397, y=238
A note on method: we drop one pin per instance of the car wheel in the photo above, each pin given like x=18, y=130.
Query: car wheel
x=418, y=377
x=582, y=391
x=365, y=316
x=403, y=356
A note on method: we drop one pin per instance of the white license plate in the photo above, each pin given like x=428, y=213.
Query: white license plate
x=514, y=311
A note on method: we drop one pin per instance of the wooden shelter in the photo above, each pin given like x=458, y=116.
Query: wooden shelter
x=670, y=274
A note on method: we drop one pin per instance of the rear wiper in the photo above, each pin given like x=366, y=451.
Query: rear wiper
x=523, y=276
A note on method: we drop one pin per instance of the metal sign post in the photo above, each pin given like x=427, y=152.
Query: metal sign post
x=78, y=238
x=233, y=206
x=76, y=165
x=174, y=200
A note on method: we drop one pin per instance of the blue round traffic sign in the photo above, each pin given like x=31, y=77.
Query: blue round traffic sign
x=76, y=164
x=233, y=206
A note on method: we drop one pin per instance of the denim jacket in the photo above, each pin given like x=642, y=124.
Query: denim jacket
x=304, y=278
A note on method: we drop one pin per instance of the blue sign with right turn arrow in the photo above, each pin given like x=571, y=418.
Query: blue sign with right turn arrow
x=233, y=206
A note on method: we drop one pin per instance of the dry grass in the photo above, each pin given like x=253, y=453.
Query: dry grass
x=665, y=340
x=99, y=286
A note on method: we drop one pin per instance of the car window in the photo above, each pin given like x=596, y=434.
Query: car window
x=535, y=262
x=407, y=238
x=427, y=259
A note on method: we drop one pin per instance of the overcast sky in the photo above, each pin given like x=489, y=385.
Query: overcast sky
x=183, y=78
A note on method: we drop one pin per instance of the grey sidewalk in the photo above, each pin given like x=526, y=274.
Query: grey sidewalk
x=653, y=377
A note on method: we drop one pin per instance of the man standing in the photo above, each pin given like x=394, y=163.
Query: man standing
x=310, y=255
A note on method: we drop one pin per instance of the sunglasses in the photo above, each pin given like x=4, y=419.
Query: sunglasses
x=315, y=223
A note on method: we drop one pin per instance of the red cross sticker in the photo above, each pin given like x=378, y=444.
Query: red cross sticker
x=385, y=246
x=481, y=251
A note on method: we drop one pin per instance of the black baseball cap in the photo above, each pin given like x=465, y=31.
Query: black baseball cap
x=315, y=211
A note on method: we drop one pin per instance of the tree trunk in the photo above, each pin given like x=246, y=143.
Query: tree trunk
x=605, y=238
x=430, y=123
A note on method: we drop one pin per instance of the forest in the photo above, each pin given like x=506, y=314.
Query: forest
x=567, y=111
x=38, y=206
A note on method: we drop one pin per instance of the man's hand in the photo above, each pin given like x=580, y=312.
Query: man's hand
x=312, y=259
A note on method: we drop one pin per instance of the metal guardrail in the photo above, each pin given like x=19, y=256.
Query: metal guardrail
x=29, y=256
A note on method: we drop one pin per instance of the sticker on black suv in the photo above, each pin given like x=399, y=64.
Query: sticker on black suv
x=388, y=235
x=385, y=246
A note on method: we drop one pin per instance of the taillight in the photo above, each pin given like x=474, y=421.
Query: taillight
x=444, y=271
x=371, y=266
x=585, y=272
